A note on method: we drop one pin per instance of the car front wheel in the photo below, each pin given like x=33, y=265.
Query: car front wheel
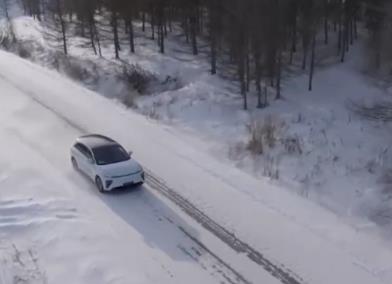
x=99, y=184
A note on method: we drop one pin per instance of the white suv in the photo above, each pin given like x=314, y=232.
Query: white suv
x=106, y=162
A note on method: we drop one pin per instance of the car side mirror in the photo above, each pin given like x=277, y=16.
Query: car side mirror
x=130, y=153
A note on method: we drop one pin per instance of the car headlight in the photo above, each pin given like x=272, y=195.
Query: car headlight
x=108, y=183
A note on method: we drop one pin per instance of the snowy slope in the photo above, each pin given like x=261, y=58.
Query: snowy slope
x=119, y=238
x=344, y=158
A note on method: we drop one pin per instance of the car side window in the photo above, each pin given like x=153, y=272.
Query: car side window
x=79, y=147
x=84, y=150
x=88, y=154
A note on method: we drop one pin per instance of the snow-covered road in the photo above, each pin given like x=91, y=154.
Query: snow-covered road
x=75, y=233
x=40, y=192
x=54, y=224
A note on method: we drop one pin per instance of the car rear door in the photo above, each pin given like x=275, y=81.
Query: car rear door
x=81, y=157
x=89, y=163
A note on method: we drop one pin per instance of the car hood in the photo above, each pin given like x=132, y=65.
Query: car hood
x=120, y=169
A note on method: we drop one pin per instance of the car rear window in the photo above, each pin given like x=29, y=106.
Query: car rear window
x=110, y=154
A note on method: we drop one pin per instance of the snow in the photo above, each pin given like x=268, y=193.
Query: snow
x=48, y=210
x=344, y=157
x=201, y=134
x=52, y=212
x=119, y=238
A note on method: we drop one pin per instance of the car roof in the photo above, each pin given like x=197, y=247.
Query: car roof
x=96, y=140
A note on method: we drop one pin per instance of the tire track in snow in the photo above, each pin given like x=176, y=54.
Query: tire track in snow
x=238, y=276
x=285, y=275
x=278, y=271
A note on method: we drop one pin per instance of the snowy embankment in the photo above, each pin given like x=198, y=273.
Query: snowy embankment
x=116, y=238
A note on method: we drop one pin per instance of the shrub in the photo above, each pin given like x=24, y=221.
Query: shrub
x=138, y=78
x=74, y=70
x=263, y=134
x=255, y=144
x=292, y=145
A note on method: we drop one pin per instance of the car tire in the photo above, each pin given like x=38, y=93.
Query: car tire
x=99, y=184
x=74, y=164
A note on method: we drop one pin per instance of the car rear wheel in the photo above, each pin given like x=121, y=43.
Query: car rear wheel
x=74, y=164
x=99, y=184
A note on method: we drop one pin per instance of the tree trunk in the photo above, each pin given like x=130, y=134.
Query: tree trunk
x=213, y=55
x=91, y=32
x=345, y=40
x=343, y=50
x=241, y=73
x=170, y=19
x=351, y=32
x=265, y=96
x=340, y=34
x=186, y=28
x=258, y=77
x=304, y=59
x=165, y=26
x=63, y=27
x=326, y=37
x=213, y=19
x=347, y=35
x=312, y=62
x=194, y=35
x=247, y=64
x=279, y=75
x=161, y=37
x=5, y=7
x=326, y=18
x=63, y=30
x=131, y=34
x=160, y=17
x=82, y=28
x=294, y=40
x=152, y=23
x=143, y=21
x=115, y=34
x=98, y=42
x=24, y=8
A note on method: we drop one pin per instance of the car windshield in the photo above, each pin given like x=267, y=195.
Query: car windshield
x=110, y=154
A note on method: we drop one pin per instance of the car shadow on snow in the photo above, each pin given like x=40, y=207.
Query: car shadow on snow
x=159, y=224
